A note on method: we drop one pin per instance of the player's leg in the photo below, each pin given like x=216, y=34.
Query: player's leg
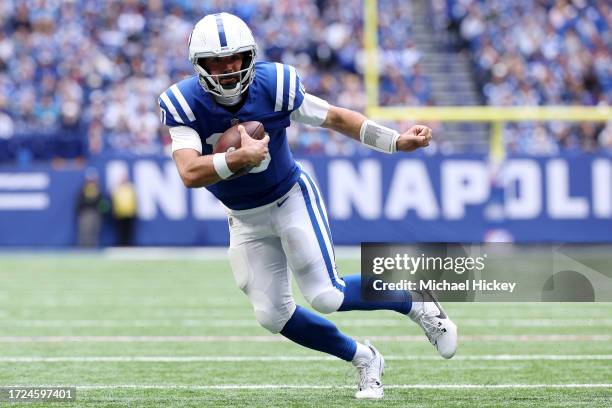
x=260, y=271
x=253, y=256
x=260, y=268
x=420, y=306
x=304, y=229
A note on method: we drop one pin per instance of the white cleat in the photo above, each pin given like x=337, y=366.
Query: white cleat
x=370, y=373
x=439, y=329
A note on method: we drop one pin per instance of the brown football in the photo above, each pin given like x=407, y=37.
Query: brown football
x=231, y=137
x=230, y=140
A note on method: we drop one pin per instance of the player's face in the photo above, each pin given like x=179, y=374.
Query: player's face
x=225, y=65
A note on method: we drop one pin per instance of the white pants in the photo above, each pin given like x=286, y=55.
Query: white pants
x=292, y=232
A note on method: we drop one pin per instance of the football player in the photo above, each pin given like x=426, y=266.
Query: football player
x=277, y=218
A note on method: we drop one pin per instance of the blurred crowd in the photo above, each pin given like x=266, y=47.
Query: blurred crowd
x=96, y=67
x=82, y=77
x=541, y=52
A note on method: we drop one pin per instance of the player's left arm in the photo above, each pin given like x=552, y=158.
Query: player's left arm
x=315, y=111
x=354, y=125
x=311, y=110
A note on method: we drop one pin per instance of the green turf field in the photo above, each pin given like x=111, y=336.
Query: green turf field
x=177, y=333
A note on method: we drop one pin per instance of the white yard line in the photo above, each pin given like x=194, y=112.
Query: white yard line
x=277, y=339
x=316, y=387
x=199, y=253
x=199, y=359
x=252, y=323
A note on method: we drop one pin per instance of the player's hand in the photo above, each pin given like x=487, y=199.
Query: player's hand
x=414, y=138
x=254, y=151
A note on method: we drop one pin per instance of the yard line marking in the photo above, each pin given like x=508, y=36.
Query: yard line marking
x=317, y=387
x=535, y=322
x=252, y=323
x=197, y=359
x=179, y=322
x=277, y=339
x=203, y=253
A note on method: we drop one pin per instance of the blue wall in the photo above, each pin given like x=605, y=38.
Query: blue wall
x=381, y=198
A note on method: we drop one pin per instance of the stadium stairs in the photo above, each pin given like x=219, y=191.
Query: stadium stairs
x=452, y=79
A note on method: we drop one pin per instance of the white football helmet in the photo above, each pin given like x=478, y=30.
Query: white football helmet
x=222, y=35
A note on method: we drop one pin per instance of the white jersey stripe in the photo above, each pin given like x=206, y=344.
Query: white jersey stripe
x=181, y=99
x=171, y=107
x=292, y=81
x=280, y=79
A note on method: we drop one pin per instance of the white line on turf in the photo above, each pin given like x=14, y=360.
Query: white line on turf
x=342, y=322
x=197, y=359
x=276, y=339
x=239, y=323
x=316, y=387
x=201, y=253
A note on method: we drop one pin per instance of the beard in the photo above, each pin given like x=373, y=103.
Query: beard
x=229, y=82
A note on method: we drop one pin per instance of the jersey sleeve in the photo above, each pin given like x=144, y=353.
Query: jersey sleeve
x=184, y=137
x=313, y=111
x=288, y=89
x=174, y=108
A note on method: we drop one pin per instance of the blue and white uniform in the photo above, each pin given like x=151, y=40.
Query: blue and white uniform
x=275, y=93
x=277, y=217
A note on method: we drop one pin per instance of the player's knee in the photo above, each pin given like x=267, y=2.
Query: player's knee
x=269, y=321
x=328, y=301
x=274, y=319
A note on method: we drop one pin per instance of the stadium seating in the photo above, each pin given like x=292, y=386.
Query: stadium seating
x=539, y=53
x=86, y=75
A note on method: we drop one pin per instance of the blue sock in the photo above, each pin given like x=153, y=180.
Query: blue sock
x=315, y=332
x=353, y=301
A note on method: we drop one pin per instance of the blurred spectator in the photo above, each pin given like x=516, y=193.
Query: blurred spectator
x=90, y=208
x=605, y=137
x=124, y=211
x=6, y=126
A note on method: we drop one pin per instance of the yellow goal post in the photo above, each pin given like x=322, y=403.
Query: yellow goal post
x=496, y=115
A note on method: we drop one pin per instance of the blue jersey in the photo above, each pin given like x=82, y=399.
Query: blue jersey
x=275, y=92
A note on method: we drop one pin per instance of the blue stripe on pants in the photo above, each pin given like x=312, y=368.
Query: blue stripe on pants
x=318, y=233
x=319, y=205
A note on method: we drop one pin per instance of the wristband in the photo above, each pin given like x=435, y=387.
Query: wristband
x=221, y=166
x=378, y=137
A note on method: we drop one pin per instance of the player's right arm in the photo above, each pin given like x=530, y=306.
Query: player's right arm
x=197, y=170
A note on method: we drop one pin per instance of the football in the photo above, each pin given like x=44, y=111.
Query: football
x=231, y=137
x=230, y=140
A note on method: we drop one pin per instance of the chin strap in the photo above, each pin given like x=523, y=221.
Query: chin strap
x=228, y=100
